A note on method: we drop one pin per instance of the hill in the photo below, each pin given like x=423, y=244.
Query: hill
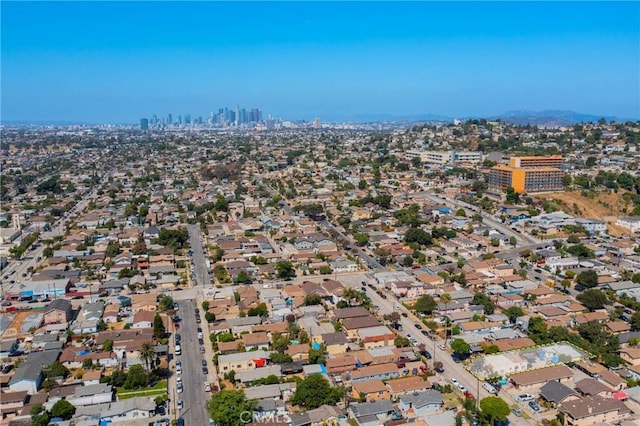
x=602, y=205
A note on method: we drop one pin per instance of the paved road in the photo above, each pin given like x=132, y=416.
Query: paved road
x=194, y=397
x=201, y=273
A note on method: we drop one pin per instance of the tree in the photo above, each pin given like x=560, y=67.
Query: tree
x=243, y=277
x=588, y=278
x=460, y=347
x=513, y=241
x=635, y=321
x=136, y=377
x=259, y=311
x=312, y=299
x=537, y=330
x=147, y=354
x=56, y=369
x=316, y=356
x=280, y=358
x=314, y=391
x=63, y=408
x=592, y=299
x=107, y=346
x=401, y=342
x=230, y=407
x=580, y=250
x=39, y=416
x=494, y=408
x=165, y=303
x=158, y=327
x=513, y=312
x=425, y=304
x=284, y=269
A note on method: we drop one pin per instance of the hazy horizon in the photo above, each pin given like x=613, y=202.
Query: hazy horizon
x=115, y=62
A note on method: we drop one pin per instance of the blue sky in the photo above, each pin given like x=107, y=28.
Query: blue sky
x=119, y=61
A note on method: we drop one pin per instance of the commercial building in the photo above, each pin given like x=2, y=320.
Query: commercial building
x=446, y=157
x=528, y=174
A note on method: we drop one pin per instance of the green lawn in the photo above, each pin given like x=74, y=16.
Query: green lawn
x=160, y=388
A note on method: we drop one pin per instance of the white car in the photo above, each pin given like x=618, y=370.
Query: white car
x=207, y=387
x=179, y=388
x=454, y=381
x=526, y=397
x=180, y=404
x=441, y=347
x=461, y=387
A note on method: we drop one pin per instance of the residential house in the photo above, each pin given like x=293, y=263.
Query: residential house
x=58, y=312
x=557, y=393
x=407, y=385
x=591, y=410
x=118, y=411
x=351, y=325
x=259, y=340
x=378, y=336
x=242, y=361
x=421, y=403
x=372, y=413
x=91, y=394
x=533, y=380
x=335, y=343
x=370, y=390
x=143, y=319
x=378, y=371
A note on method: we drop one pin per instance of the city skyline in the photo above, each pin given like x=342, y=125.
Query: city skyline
x=116, y=62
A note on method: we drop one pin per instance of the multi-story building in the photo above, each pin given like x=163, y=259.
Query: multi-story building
x=528, y=174
x=445, y=157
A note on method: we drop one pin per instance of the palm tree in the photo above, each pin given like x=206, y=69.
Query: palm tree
x=147, y=354
x=446, y=299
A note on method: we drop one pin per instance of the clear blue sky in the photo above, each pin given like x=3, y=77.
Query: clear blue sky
x=119, y=61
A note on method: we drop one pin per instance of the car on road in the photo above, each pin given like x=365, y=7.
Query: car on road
x=516, y=412
x=178, y=338
x=179, y=388
x=404, y=314
x=534, y=406
x=200, y=342
x=425, y=333
x=526, y=397
x=207, y=387
x=441, y=347
x=418, y=326
x=204, y=362
x=427, y=354
x=461, y=387
x=454, y=381
x=201, y=349
x=179, y=367
x=205, y=370
x=180, y=404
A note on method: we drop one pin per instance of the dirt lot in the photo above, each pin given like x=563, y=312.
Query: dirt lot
x=603, y=205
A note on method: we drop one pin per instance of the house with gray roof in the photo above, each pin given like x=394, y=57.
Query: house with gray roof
x=29, y=376
x=372, y=413
x=557, y=393
x=118, y=411
x=91, y=394
x=278, y=391
x=427, y=402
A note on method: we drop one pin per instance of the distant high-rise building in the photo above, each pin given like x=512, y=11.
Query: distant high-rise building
x=316, y=123
x=179, y=119
x=187, y=119
x=237, y=115
x=154, y=119
x=144, y=124
x=169, y=118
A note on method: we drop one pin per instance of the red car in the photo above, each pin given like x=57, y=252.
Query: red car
x=469, y=396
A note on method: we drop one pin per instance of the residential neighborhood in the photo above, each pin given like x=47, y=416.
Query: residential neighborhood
x=475, y=272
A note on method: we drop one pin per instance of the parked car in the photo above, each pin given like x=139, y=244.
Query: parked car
x=534, y=406
x=441, y=347
x=526, y=397
x=418, y=326
x=207, y=387
x=516, y=412
x=180, y=404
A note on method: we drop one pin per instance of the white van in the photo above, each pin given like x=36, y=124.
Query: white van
x=489, y=388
